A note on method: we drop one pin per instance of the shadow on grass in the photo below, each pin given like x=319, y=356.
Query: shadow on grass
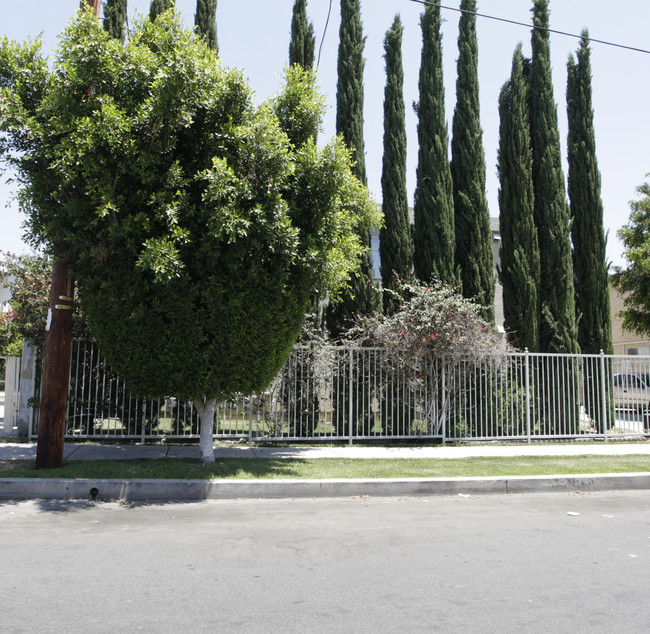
x=159, y=468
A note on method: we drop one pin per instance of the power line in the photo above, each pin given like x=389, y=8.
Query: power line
x=532, y=26
x=320, y=48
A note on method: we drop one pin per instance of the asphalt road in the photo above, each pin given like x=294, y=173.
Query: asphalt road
x=518, y=563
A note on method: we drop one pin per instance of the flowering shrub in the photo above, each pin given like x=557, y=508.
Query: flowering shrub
x=432, y=329
x=432, y=321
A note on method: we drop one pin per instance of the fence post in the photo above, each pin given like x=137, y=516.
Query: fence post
x=603, y=395
x=250, y=419
x=27, y=387
x=11, y=384
x=444, y=401
x=527, y=379
x=350, y=404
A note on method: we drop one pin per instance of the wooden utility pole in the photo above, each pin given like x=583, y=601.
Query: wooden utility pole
x=56, y=368
x=56, y=362
x=95, y=4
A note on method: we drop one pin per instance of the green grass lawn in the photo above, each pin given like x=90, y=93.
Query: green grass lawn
x=254, y=468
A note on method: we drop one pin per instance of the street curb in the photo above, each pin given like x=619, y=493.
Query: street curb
x=194, y=490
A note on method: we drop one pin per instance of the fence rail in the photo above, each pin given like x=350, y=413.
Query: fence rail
x=352, y=393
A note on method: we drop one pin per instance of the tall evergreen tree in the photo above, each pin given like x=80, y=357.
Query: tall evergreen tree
x=396, y=248
x=434, y=242
x=159, y=6
x=349, y=88
x=205, y=21
x=115, y=18
x=519, y=268
x=362, y=296
x=474, y=256
x=303, y=40
x=558, y=331
x=589, y=243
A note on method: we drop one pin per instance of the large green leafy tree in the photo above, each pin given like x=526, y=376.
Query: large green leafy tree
x=434, y=241
x=115, y=18
x=303, y=41
x=159, y=6
x=205, y=21
x=195, y=229
x=634, y=280
x=519, y=255
x=361, y=295
x=587, y=231
x=474, y=255
x=396, y=248
x=558, y=331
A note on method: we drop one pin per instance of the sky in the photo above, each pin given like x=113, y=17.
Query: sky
x=254, y=36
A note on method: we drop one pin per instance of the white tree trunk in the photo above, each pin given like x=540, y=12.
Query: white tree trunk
x=206, y=409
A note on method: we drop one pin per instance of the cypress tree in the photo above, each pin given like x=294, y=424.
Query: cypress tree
x=434, y=242
x=587, y=232
x=205, y=21
x=558, y=332
x=519, y=268
x=474, y=256
x=115, y=18
x=159, y=6
x=303, y=40
x=396, y=248
x=349, y=88
x=361, y=296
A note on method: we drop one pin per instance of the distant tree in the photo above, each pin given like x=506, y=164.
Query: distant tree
x=519, y=255
x=474, y=256
x=588, y=234
x=28, y=279
x=558, y=331
x=205, y=21
x=195, y=229
x=303, y=40
x=634, y=280
x=115, y=18
x=434, y=241
x=396, y=248
x=159, y=6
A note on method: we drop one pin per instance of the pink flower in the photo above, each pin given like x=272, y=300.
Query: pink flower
x=432, y=336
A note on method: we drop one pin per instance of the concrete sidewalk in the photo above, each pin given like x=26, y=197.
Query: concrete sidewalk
x=27, y=451
x=167, y=490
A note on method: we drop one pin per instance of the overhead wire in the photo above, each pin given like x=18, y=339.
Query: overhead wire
x=320, y=48
x=532, y=26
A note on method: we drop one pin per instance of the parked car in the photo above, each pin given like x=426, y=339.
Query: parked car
x=632, y=391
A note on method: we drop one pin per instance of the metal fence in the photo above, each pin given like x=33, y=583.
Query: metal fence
x=352, y=393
